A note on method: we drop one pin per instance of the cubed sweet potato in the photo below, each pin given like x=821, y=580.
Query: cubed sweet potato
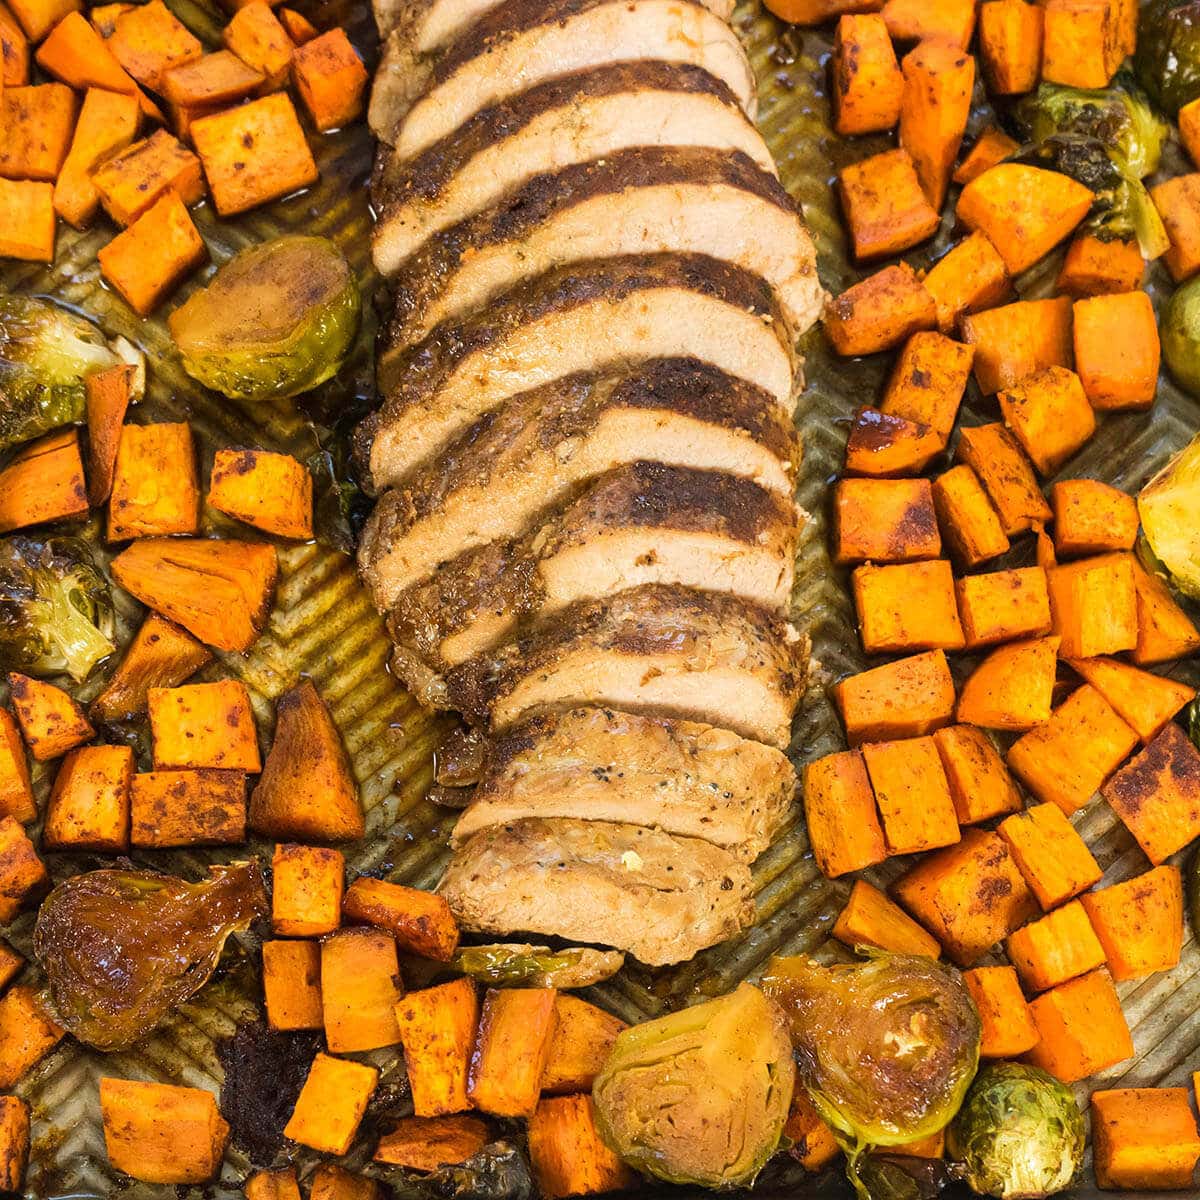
x=299, y=28
x=969, y=896
x=928, y=381
x=38, y=17
x=1049, y=414
x=331, y=79
x=437, y=1029
x=865, y=75
x=1093, y=605
x=306, y=892
x=882, y=446
x=211, y=82
x=839, y=807
x=906, y=698
x=23, y=876
x=108, y=123
x=331, y=1104
x=579, y=1046
x=14, y=1142
x=273, y=1185
x=1165, y=631
x=360, y=988
x=273, y=492
x=51, y=721
x=951, y=21
x=1146, y=702
x=879, y=312
x=27, y=226
x=1066, y=760
x=1059, y=946
x=331, y=1182
x=1001, y=606
x=912, y=795
x=16, y=787
x=1081, y=43
x=1018, y=340
x=1006, y=474
x=1178, y=204
x=567, y=1153
x=256, y=36
x=991, y=147
x=907, y=606
x=38, y=123
x=421, y=922
x=134, y=181
x=14, y=51
x=76, y=54
x=1081, y=1028
x=813, y=1144
x=1010, y=46
x=1012, y=687
x=188, y=808
x=1008, y=1028
x=27, y=1034
x=104, y=17
x=969, y=277
x=885, y=207
x=871, y=919
x=1144, y=1139
x=154, y=490
x=1117, y=350
x=1098, y=268
x=204, y=725
x=511, y=1050
x=969, y=523
x=1139, y=922
x=291, y=974
x=44, y=481
x=109, y=393
x=89, y=805
x=939, y=76
x=1053, y=858
x=1091, y=517
x=1188, y=119
x=980, y=784
x=427, y=1143
x=884, y=520
x=148, y=40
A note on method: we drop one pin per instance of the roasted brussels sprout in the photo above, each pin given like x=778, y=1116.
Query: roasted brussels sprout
x=886, y=1047
x=276, y=320
x=510, y=965
x=121, y=949
x=1018, y=1134
x=56, y=612
x=46, y=353
x=1180, y=332
x=1167, y=59
x=699, y=1096
x=1167, y=506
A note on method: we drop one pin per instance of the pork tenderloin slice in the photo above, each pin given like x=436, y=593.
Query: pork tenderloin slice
x=570, y=119
x=655, y=199
x=658, y=897
x=531, y=455
x=659, y=648
x=519, y=43
x=641, y=523
x=599, y=764
x=585, y=317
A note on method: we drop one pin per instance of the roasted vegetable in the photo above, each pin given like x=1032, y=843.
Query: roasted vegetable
x=56, y=611
x=276, y=320
x=1167, y=60
x=1167, y=507
x=1018, y=1133
x=1180, y=333
x=886, y=1047
x=121, y=949
x=46, y=353
x=513, y=965
x=699, y=1096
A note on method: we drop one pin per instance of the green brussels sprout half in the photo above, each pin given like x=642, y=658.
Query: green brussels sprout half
x=700, y=1096
x=1180, y=332
x=1019, y=1133
x=1167, y=508
x=511, y=965
x=1167, y=59
x=276, y=320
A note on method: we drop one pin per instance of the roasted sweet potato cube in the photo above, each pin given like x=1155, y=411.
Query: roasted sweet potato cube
x=839, y=808
x=272, y=492
x=148, y=40
x=27, y=1034
x=27, y=225
x=427, y=1143
x=813, y=1146
x=1091, y=517
x=886, y=210
x=912, y=795
x=969, y=896
x=154, y=487
x=991, y=147
x=879, y=312
x=421, y=922
x=568, y=1156
x=1146, y=702
x=939, y=76
x=884, y=520
x=865, y=76
x=1010, y=46
x=1059, y=946
x=149, y=259
x=291, y=974
x=928, y=381
x=104, y=17
x=1052, y=857
x=331, y=79
x=219, y=591
x=1178, y=204
x=1007, y=477
x=1012, y=687
x=212, y=81
x=1145, y=1139
x=273, y=1185
x=1117, y=350
x=1018, y=340
x=583, y=1036
x=1003, y=605
x=511, y=1050
x=16, y=787
x=980, y=784
x=161, y=655
x=1096, y=268
x=952, y=21
x=160, y=1133
x=1093, y=605
x=905, y=698
x=132, y=182
x=1066, y=760
x=967, y=519
x=38, y=17
x=871, y=919
x=881, y=446
x=907, y=606
x=437, y=1029
x=38, y=124
x=331, y=1104
x=1139, y=922
x=14, y=51
x=256, y=36
x=306, y=892
x=1008, y=1028
x=360, y=988
x=1188, y=119
x=1050, y=416
x=188, y=808
x=89, y=805
x=14, y=1142
x=51, y=722
x=307, y=789
x=108, y=123
x=1157, y=794
x=299, y=28
x=253, y=154
x=204, y=725
x=1165, y=631
x=23, y=876
x=331, y=1182
x=1080, y=43
x=44, y=481
x=970, y=276
x=1081, y=1028
x=109, y=393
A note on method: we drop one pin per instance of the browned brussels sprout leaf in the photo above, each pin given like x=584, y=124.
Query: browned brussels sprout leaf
x=121, y=949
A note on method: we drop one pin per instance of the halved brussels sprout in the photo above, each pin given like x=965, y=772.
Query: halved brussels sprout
x=1167, y=506
x=1167, y=59
x=1019, y=1133
x=1180, y=334
x=514, y=965
x=700, y=1096
x=276, y=320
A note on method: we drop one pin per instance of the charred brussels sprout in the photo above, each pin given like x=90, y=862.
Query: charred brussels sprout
x=1167, y=59
x=56, y=613
x=276, y=320
x=510, y=965
x=700, y=1096
x=886, y=1047
x=1180, y=331
x=46, y=353
x=1167, y=506
x=1018, y=1134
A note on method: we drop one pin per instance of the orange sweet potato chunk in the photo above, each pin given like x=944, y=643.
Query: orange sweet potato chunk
x=51, y=721
x=1081, y=43
x=568, y=1156
x=1145, y=1139
x=89, y=805
x=360, y=988
x=16, y=788
x=188, y=808
x=928, y=381
x=27, y=227
x=291, y=974
x=813, y=1146
x=511, y=1050
x=1093, y=605
x=148, y=40
x=14, y=1142
x=885, y=208
x=1091, y=517
x=991, y=147
x=580, y=1045
x=331, y=79
x=1012, y=687
x=43, y=482
x=1178, y=204
x=14, y=51
x=38, y=123
x=1059, y=946
x=108, y=123
x=421, y=922
x=843, y=823
x=23, y=877
x=969, y=277
x=1117, y=350
x=1081, y=1028
x=1006, y=474
x=427, y=1143
x=980, y=784
x=952, y=21
x=969, y=523
x=938, y=79
x=884, y=520
x=1018, y=340
x=882, y=446
x=109, y=393
x=871, y=919
x=154, y=488
x=1096, y=268
x=273, y=492
x=1165, y=631
x=204, y=725
x=906, y=698
x=866, y=77
x=437, y=1029
x=1003, y=605
x=307, y=887
x=1146, y=702
x=1053, y=858
x=273, y=1185
x=1139, y=922
x=132, y=182
x=257, y=37
x=27, y=1034
x=879, y=312
x=331, y=1104
x=211, y=82
x=1010, y=46
x=907, y=606
x=912, y=794
x=1049, y=414
x=1008, y=1029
